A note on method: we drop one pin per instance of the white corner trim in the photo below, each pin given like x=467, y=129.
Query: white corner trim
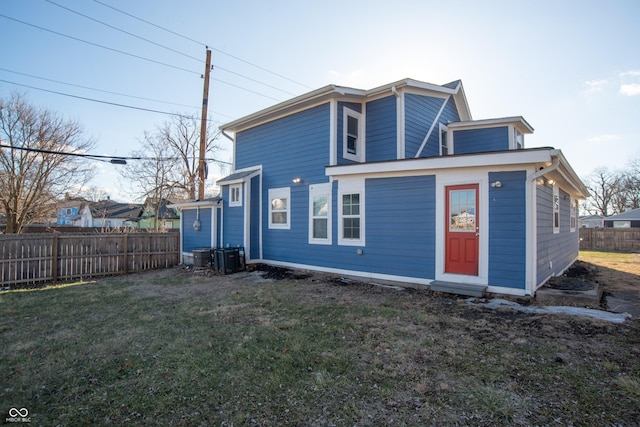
x=333, y=132
x=400, y=123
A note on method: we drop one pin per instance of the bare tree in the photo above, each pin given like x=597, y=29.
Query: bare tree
x=631, y=184
x=34, y=169
x=94, y=194
x=182, y=135
x=168, y=165
x=152, y=176
x=603, y=186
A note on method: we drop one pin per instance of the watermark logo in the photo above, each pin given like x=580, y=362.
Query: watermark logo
x=18, y=416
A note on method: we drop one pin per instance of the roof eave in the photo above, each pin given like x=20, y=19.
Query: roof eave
x=216, y=201
x=519, y=120
x=302, y=101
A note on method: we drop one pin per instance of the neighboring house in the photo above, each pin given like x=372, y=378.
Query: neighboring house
x=628, y=219
x=395, y=183
x=168, y=217
x=110, y=214
x=68, y=211
x=591, y=221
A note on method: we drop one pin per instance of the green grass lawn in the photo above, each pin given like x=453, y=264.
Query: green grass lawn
x=173, y=348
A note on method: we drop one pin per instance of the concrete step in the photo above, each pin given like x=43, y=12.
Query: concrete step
x=467, y=289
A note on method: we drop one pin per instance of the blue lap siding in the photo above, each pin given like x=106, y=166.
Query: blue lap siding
x=420, y=112
x=400, y=226
x=507, y=230
x=400, y=236
x=481, y=140
x=295, y=146
x=193, y=239
x=232, y=221
x=381, y=129
x=555, y=251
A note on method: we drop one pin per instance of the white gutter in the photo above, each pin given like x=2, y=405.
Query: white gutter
x=532, y=219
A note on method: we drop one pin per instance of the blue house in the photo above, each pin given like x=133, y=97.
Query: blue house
x=399, y=183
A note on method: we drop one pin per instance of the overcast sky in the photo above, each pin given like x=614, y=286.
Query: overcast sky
x=570, y=68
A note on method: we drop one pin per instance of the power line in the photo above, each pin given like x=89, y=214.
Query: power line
x=98, y=100
x=118, y=160
x=129, y=106
x=100, y=90
x=204, y=44
x=166, y=47
x=100, y=46
x=109, y=159
x=253, y=80
x=247, y=90
x=123, y=31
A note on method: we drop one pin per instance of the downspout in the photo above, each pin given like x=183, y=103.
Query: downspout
x=230, y=138
x=233, y=151
x=531, y=229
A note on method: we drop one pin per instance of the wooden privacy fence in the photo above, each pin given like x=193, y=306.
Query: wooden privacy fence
x=30, y=259
x=610, y=239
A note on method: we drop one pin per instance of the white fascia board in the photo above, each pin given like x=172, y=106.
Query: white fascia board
x=324, y=94
x=462, y=104
x=570, y=177
x=197, y=204
x=244, y=178
x=518, y=121
x=299, y=103
x=513, y=157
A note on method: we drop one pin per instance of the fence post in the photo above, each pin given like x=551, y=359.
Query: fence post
x=54, y=258
x=126, y=252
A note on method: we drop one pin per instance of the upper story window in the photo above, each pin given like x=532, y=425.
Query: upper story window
x=235, y=195
x=518, y=139
x=444, y=141
x=352, y=135
x=280, y=208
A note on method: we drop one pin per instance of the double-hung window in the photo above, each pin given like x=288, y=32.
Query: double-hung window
x=352, y=135
x=351, y=212
x=320, y=213
x=573, y=214
x=518, y=140
x=280, y=208
x=235, y=195
x=444, y=142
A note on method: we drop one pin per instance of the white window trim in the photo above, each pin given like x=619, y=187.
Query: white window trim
x=573, y=216
x=513, y=138
x=444, y=128
x=318, y=190
x=280, y=193
x=231, y=189
x=555, y=207
x=355, y=186
x=360, y=143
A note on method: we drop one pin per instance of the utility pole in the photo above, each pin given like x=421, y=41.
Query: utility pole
x=202, y=167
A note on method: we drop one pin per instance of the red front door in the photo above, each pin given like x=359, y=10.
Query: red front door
x=461, y=235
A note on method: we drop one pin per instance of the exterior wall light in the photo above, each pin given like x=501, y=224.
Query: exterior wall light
x=297, y=180
x=496, y=184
